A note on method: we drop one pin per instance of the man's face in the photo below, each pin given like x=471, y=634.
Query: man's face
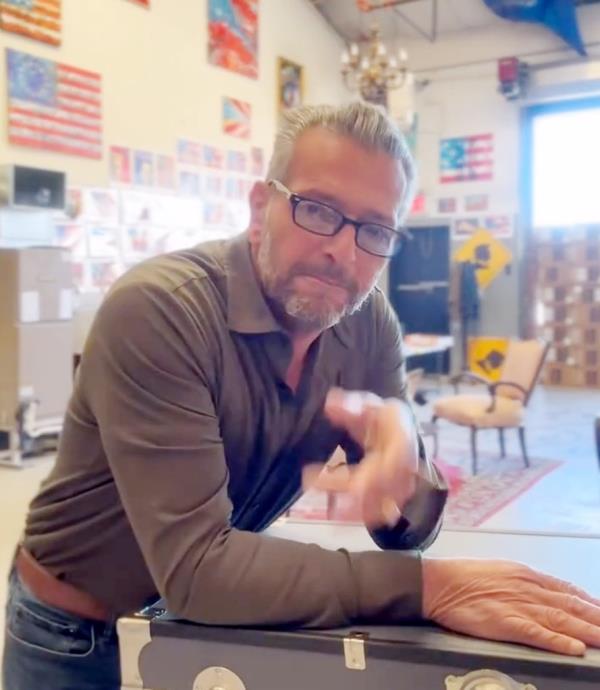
x=313, y=280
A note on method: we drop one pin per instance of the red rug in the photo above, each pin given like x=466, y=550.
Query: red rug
x=472, y=500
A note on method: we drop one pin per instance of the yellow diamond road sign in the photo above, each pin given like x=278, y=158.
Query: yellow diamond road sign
x=486, y=356
x=488, y=254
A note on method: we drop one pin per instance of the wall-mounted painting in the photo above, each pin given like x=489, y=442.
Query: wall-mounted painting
x=120, y=164
x=236, y=117
x=38, y=20
x=233, y=35
x=290, y=86
x=43, y=95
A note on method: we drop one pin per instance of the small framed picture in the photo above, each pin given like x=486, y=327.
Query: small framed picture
x=290, y=84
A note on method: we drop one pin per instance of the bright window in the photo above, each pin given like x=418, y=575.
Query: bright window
x=565, y=166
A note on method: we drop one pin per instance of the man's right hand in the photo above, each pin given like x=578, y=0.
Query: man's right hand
x=509, y=602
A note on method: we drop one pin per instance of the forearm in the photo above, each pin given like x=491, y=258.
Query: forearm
x=251, y=579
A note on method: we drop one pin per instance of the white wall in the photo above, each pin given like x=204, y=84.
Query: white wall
x=460, y=98
x=157, y=83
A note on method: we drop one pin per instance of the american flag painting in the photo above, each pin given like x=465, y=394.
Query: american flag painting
x=466, y=159
x=236, y=118
x=54, y=107
x=213, y=157
x=38, y=19
x=233, y=35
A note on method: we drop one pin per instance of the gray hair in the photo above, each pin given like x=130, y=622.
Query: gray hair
x=366, y=124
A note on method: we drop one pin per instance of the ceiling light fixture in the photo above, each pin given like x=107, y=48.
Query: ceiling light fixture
x=375, y=70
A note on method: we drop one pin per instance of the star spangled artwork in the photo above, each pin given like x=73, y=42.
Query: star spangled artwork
x=53, y=106
x=464, y=159
x=37, y=19
x=236, y=117
x=233, y=35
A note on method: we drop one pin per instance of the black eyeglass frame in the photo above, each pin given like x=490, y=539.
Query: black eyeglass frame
x=295, y=199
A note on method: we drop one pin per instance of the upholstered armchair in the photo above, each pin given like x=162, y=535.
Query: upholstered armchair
x=503, y=405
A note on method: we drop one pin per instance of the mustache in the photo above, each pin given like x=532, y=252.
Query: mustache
x=333, y=274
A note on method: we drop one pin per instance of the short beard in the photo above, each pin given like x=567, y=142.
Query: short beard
x=298, y=312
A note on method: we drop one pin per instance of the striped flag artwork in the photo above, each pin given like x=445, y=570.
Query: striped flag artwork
x=37, y=19
x=236, y=117
x=54, y=107
x=467, y=159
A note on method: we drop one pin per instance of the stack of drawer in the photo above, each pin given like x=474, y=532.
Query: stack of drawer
x=568, y=306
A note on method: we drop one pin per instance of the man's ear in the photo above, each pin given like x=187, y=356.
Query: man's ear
x=259, y=197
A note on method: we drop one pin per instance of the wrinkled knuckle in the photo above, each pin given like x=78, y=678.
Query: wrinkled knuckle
x=556, y=618
x=529, y=629
x=575, y=605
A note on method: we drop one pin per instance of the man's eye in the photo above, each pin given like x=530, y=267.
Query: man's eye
x=376, y=232
x=322, y=213
x=313, y=209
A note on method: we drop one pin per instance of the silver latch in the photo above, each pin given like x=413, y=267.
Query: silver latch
x=485, y=679
x=354, y=652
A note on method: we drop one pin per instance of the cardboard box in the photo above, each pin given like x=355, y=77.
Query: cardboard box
x=36, y=360
x=584, y=315
x=583, y=252
x=36, y=334
x=559, y=313
x=554, y=274
x=35, y=285
x=587, y=273
x=588, y=294
x=575, y=356
x=563, y=375
x=549, y=253
x=566, y=294
x=555, y=333
x=589, y=336
x=591, y=378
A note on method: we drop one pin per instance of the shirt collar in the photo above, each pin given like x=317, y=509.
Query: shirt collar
x=247, y=309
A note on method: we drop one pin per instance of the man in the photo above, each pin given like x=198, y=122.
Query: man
x=210, y=378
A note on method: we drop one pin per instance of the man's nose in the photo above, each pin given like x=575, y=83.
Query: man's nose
x=342, y=245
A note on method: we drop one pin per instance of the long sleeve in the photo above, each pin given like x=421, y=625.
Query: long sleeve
x=422, y=517
x=149, y=375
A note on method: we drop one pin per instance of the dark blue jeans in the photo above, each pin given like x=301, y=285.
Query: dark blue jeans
x=48, y=648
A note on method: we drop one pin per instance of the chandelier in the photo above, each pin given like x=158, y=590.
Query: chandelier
x=373, y=71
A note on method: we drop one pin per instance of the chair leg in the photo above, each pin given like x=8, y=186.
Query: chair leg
x=501, y=439
x=523, y=445
x=474, y=449
x=435, y=436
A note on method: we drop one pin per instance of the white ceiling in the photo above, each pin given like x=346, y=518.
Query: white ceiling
x=413, y=19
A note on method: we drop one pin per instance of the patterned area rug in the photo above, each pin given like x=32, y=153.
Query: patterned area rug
x=472, y=501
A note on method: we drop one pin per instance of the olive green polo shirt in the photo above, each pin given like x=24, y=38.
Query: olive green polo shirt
x=182, y=442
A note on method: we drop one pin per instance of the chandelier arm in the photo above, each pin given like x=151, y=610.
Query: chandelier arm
x=372, y=71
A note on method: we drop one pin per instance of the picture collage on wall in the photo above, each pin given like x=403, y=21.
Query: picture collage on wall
x=154, y=201
x=157, y=203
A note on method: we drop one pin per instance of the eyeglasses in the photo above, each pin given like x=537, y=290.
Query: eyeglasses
x=322, y=219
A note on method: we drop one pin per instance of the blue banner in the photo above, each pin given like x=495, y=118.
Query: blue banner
x=558, y=15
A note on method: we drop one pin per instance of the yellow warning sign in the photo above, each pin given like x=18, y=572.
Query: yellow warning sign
x=486, y=356
x=487, y=254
